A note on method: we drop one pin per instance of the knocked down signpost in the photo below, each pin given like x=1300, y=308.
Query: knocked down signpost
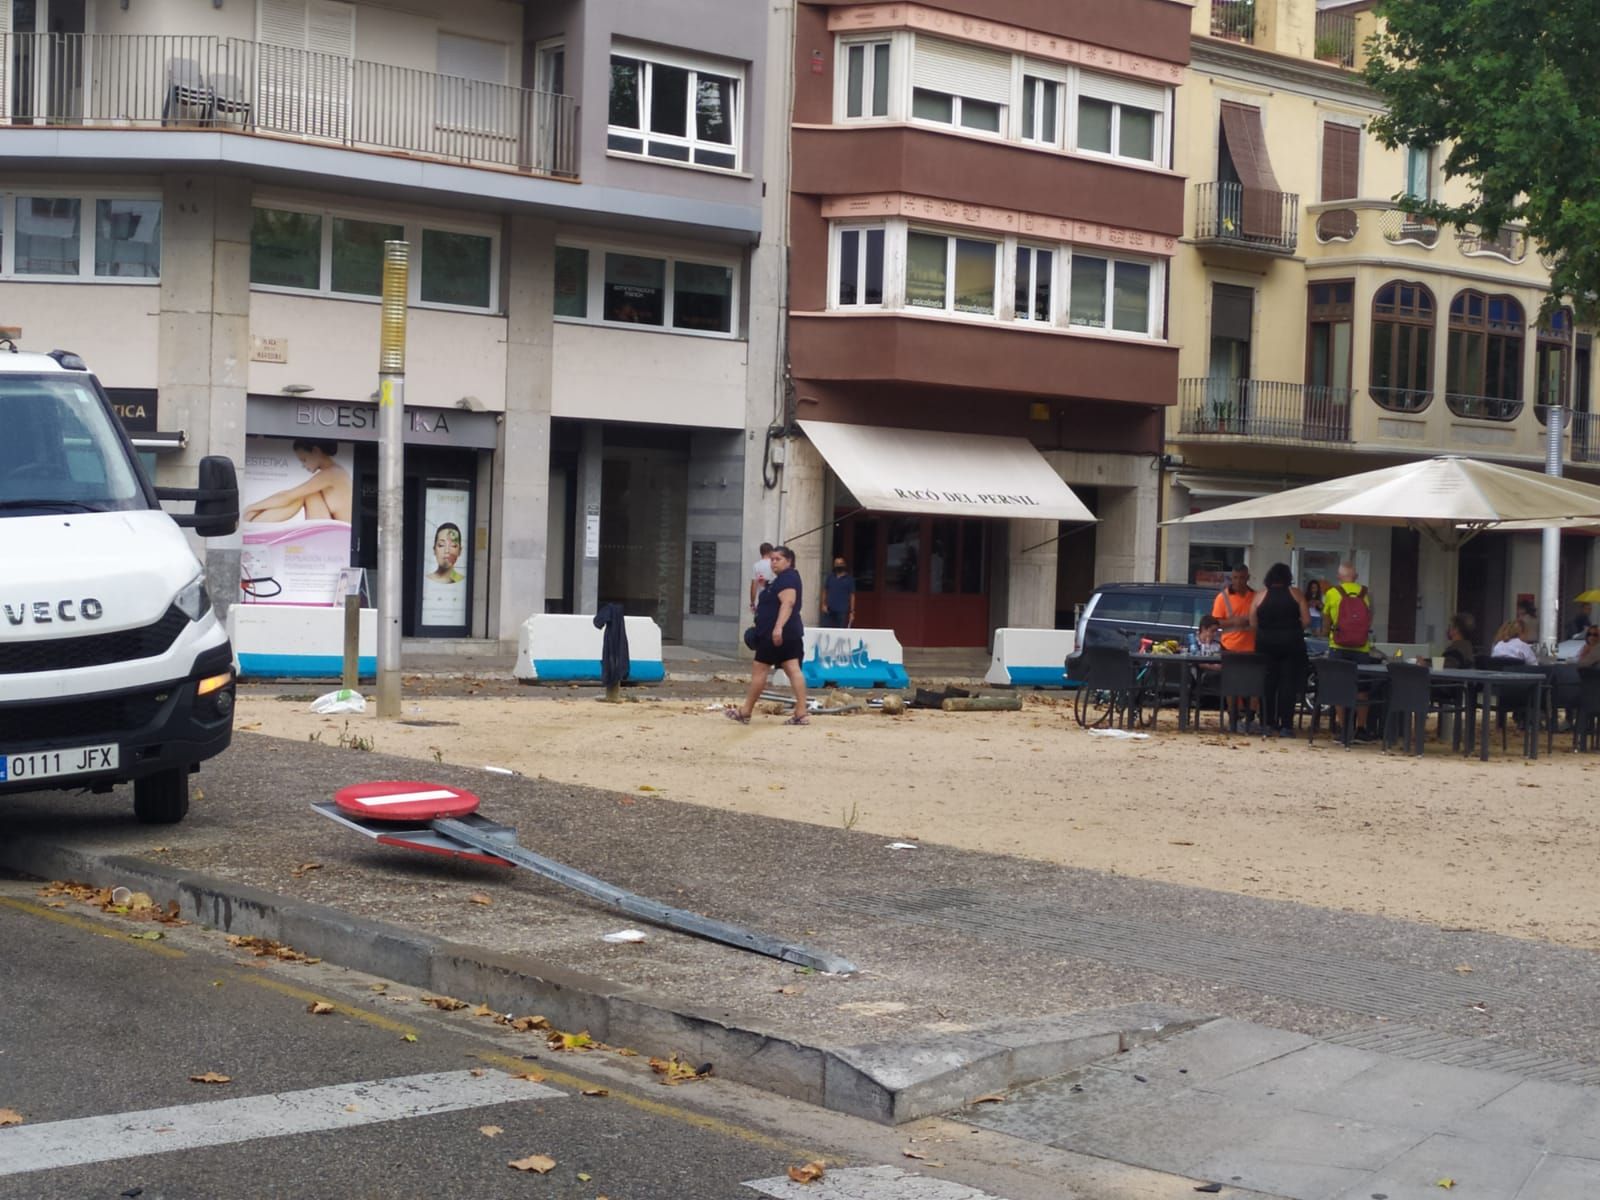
x=438, y=819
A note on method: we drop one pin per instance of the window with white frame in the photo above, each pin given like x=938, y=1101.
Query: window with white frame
x=902, y=266
x=1035, y=284
x=866, y=79
x=82, y=238
x=964, y=86
x=621, y=286
x=1121, y=118
x=1041, y=109
x=341, y=255
x=674, y=109
x=860, y=270
x=951, y=274
x=1111, y=294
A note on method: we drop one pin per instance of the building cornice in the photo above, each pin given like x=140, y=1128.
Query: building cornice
x=1247, y=64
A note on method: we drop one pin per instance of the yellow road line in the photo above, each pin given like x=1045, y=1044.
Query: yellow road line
x=657, y=1108
x=88, y=925
x=310, y=997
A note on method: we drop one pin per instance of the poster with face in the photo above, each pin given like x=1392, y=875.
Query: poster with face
x=296, y=502
x=445, y=525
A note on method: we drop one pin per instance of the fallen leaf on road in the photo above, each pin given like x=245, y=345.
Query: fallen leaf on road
x=408, y=1037
x=596, y=1091
x=583, y=1177
x=569, y=1041
x=1172, y=843
x=490, y=1130
x=1463, y=969
x=624, y=1052
x=526, y=1024
x=541, y=1163
x=483, y=1010
x=267, y=948
x=1446, y=1183
x=791, y=990
x=352, y=1108
x=673, y=1071
x=910, y=1153
x=210, y=1077
x=377, y=987
x=530, y=1076
x=304, y=868
x=9, y=1116
x=149, y=935
x=319, y=1008
x=809, y=1173
x=444, y=1003
x=477, y=1072
x=480, y=898
x=993, y=1098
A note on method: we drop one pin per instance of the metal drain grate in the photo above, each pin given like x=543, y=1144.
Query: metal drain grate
x=1352, y=985
x=1427, y=1045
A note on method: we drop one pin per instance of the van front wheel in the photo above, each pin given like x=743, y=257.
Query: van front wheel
x=161, y=799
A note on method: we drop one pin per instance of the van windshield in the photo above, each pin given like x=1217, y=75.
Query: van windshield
x=59, y=449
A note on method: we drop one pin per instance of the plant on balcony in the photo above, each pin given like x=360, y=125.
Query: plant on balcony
x=1510, y=87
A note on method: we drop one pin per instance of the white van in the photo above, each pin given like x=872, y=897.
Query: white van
x=113, y=665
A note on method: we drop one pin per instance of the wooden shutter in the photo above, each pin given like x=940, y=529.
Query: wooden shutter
x=958, y=70
x=1341, y=177
x=1262, y=210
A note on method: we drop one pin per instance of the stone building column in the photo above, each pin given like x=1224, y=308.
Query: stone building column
x=522, y=462
x=1031, y=574
x=203, y=360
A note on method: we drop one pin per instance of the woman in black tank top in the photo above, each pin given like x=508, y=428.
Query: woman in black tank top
x=1280, y=616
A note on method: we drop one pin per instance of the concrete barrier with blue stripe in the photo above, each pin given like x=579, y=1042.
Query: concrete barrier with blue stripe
x=563, y=648
x=292, y=641
x=1031, y=657
x=860, y=658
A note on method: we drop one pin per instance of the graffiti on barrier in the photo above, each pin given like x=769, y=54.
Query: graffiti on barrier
x=834, y=652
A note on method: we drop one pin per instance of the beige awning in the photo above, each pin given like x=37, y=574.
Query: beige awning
x=945, y=474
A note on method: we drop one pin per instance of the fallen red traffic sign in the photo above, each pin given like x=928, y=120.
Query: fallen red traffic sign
x=392, y=800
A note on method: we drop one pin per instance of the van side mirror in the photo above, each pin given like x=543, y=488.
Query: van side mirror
x=216, y=500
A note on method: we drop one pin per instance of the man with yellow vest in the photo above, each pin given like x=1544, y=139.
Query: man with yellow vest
x=1347, y=616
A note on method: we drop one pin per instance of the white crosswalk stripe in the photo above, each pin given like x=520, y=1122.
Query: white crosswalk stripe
x=72, y=1143
x=867, y=1183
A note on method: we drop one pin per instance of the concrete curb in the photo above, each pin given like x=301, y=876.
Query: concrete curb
x=887, y=1082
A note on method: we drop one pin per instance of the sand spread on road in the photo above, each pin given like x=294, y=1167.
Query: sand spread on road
x=1506, y=846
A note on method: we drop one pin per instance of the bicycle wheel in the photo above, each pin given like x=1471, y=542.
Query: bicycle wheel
x=1095, y=708
x=1146, y=705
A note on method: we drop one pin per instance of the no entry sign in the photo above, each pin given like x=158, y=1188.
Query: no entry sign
x=392, y=800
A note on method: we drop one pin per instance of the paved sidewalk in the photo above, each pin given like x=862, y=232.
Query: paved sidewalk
x=1259, y=1108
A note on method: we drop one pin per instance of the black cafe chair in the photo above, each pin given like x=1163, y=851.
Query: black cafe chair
x=1243, y=677
x=1586, y=718
x=1516, y=698
x=1414, y=696
x=1336, y=687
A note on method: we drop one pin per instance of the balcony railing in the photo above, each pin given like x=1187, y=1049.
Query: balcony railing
x=1509, y=244
x=1265, y=411
x=1483, y=408
x=1400, y=227
x=154, y=81
x=1233, y=19
x=1250, y=218
x=1585, y=445
x=1336, y=38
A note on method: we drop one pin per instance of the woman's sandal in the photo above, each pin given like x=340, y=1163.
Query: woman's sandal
x=798, y=720
x=733, y=714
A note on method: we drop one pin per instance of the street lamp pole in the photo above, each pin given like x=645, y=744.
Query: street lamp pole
x=391, y=470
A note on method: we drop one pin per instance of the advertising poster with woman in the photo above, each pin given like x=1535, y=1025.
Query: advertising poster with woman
x=296, y=501
x=446, y=513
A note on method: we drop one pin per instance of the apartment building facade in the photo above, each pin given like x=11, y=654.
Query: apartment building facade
x=984, y=212
x=1324, y=331
x=196, y=199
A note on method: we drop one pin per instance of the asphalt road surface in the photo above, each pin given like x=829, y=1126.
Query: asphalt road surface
x=103, y=1031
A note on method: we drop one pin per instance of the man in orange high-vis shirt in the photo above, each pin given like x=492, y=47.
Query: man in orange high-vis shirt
x=1231, y=608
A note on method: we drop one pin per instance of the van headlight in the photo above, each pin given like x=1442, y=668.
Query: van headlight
x=194, y=600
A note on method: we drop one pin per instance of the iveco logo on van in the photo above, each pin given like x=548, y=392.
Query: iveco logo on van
x=48, y=612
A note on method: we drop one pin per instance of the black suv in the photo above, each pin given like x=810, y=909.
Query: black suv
x=1120, y=614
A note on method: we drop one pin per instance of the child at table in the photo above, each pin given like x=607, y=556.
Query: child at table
x=1207, y=639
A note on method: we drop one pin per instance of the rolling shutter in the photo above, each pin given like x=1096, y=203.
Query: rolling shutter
x=1262, y=208
x=307, y=47
x=1341, y=177
x=959, y=70
x=1122, y=91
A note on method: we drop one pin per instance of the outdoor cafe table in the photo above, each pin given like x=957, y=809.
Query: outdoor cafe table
x=1187, y=663
x=1482, y=688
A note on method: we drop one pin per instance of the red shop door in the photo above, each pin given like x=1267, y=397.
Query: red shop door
x=927, y=578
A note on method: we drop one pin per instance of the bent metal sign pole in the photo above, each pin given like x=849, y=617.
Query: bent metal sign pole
x=437, y=819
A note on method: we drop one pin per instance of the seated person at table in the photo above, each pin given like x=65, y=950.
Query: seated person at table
x=1508, y=643
x=1459, y=655
x=1207, y=639
x=1589, y=656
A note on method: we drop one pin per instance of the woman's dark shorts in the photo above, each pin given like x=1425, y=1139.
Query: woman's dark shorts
x=776, y=656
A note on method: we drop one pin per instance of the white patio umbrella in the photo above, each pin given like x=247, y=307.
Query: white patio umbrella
x=1449, y=498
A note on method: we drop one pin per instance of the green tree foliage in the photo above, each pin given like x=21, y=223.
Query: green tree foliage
x=1512, y=89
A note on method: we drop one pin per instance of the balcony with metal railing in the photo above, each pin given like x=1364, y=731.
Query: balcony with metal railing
x=1584, y=446
x=1263, y=410
x=1335, y=38
x=1483, y=408
x=156, y=81
x=1233, y=19
x=1253, y=219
